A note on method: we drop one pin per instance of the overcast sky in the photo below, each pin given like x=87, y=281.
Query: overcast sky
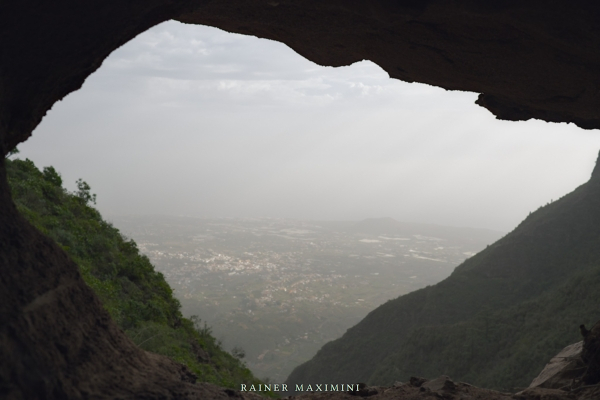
x=191, y=120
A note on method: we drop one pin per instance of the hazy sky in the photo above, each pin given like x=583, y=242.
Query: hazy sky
x=191, y=120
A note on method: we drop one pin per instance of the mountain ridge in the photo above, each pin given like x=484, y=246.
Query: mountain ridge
x=550, y=245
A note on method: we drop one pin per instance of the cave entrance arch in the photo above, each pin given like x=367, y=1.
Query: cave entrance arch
x=533, y=60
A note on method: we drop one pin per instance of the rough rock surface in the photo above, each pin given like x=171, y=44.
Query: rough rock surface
x=444, y=388
x=562, y=369
x=439, y=388
x=57, y=342
x=591, y=356
x=525, y=58
x=534, y=59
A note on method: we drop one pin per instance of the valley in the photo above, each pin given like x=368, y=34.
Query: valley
x=277, y=290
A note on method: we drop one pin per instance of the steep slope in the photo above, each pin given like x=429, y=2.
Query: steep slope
x=433, y=330
x=137, y=297
x=504, y=349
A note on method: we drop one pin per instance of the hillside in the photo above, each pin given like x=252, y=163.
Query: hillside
x=282, y=288
x=137, y=297
x=496, y=320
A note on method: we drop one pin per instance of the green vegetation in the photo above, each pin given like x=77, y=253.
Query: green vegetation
x=496, y=321
x=137, y=297
x=503, y=349
x=281, y=289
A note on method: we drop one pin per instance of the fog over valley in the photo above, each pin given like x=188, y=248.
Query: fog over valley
x=280, y=289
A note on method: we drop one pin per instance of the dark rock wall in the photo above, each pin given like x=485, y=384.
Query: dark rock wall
x=531, y=59
x=48, y=49
x=56, y=340
x=534, y=59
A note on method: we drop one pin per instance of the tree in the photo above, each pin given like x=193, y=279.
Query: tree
x=52, y=176
x=12, y=152
x=238, y=352
x=83, y=192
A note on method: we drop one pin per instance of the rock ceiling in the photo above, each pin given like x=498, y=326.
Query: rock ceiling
x=527, y=59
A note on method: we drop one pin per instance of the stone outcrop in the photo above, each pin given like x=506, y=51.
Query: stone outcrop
x=533, y=59
x=573, y=373
x=444, y=388
x=562, y=369
x=418, y=388
x=590, y=355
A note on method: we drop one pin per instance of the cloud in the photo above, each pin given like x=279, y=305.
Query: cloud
x=193, y=120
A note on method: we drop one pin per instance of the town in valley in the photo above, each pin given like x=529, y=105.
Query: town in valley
x=274, y=291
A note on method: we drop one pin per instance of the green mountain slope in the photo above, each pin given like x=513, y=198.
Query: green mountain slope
x=137, y=297
x=496, y=320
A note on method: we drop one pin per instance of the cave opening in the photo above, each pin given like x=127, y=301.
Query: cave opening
x=526, y=69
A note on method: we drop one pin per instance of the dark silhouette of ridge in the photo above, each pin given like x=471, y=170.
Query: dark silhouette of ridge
x=554, y=243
